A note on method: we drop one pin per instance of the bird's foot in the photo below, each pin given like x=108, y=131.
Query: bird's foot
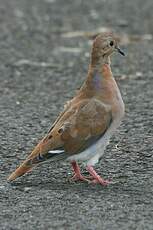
x=93, y=178
x=77, y=174
x=96, y=178
x=79, y=177
x=100, y=181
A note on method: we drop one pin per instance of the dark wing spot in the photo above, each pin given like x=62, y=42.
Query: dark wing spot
x=50, y=136
x=60, y=130
x=51, y=128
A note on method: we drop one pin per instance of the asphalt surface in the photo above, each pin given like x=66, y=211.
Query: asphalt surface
x=41, y=66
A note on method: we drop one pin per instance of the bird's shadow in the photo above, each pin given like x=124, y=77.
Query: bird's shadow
x=63, y=184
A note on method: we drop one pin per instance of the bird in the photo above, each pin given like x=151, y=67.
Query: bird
x=83, y=129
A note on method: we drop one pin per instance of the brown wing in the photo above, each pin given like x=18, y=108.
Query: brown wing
x=90, y=121
x=78, y=127
x=66, y=107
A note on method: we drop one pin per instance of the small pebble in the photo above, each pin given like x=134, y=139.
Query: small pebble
x=27, y=189
x=2, y=187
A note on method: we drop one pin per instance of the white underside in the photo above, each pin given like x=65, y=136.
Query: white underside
x=92, y=155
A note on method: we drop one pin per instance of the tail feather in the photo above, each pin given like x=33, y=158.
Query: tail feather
x=26, y=166
x=34, y=160
x=21, y=170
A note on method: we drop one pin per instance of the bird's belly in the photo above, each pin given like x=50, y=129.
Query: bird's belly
x=95, y=151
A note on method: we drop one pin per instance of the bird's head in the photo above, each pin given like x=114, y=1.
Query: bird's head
x=103, y=46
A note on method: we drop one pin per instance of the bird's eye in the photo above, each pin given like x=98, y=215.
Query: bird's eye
x=111, y=43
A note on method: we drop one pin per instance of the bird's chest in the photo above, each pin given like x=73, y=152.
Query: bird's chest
x=118, y=107
x=111, y=95
x=106, y=90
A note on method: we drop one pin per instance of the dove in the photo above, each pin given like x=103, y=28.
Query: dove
x=83, y=129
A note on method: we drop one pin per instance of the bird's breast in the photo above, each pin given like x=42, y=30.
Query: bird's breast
x=118, y=107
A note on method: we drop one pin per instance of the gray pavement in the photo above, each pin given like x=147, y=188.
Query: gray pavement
x=41, y=65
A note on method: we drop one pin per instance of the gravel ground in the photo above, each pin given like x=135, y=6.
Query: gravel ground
x=41, y=65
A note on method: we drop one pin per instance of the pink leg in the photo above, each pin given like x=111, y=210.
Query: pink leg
x=97, y=178
x=77, y=173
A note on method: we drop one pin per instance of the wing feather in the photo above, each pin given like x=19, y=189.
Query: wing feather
x=79, y=127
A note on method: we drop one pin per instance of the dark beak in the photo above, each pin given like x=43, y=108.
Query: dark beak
x=120, y=51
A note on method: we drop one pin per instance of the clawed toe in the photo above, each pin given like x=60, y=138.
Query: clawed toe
x=77, y=174
x=97, y=179
x=102, y=182
x=76, y=178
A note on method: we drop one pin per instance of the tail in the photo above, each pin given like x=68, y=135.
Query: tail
x=26, y=166
x=34, y=159
x=21, y=170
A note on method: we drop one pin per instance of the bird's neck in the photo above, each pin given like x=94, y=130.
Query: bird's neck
x=99, y=68
x=97, y=62
x=97, y=75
